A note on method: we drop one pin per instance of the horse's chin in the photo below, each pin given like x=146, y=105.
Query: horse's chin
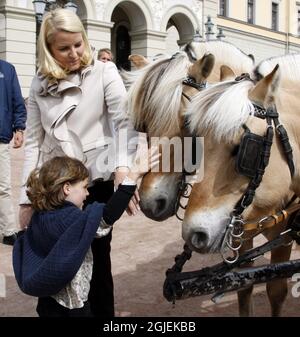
x=206, y=250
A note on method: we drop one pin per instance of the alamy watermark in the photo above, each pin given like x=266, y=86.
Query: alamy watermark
x=296, y=286
x=178, y=154
x=2, y=285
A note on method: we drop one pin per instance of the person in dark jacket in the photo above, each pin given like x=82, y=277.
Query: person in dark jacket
x=12, y=125
x=52, y=259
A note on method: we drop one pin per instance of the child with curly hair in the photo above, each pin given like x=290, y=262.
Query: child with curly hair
x=52, y=259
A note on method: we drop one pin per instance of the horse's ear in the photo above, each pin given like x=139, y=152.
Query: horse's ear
x=226, y=74
x=139, y=61
x=202, y=68
x=265, y=89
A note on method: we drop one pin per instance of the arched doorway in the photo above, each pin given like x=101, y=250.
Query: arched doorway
x=182, y=28
x=180, y=24
x=123, y=48
x=172, y=38
x=129, y=33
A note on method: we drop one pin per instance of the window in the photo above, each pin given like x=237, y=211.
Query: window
x=223, y=7
x=274, y=16
x=250, y=11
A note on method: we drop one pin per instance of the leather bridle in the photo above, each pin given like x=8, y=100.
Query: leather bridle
x=252, y=160
x=219, y=278
x=184, y=186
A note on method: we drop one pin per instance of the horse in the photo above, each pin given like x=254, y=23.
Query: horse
x=157, y=106
x=139, y=61
x=229, y=59
x=224, y=114
x=155, y=102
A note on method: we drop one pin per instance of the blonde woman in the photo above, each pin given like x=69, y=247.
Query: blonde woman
x=73, y=110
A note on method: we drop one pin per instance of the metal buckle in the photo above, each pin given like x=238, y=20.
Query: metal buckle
x=231, y=237
x=259, y=224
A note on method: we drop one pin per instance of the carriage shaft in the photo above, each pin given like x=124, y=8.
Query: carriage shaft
x=230, y=281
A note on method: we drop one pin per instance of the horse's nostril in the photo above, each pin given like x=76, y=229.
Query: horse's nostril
x=199, y=240
x=161, y=204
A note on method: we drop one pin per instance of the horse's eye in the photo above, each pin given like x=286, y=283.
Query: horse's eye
x=235, y=150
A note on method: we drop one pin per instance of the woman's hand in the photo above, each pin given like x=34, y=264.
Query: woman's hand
x=146, y=160
x=25, y=214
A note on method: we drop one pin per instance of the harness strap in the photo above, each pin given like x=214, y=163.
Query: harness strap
x=190, y=81
x=271, y=220
x=247, y=198
x=183, y=185
x=272, y=112
x=287, y=149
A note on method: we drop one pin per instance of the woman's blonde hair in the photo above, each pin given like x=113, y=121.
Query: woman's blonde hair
x=64, y=20
x=45, y=185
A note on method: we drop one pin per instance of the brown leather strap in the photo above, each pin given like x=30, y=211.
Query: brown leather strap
x=271, y=220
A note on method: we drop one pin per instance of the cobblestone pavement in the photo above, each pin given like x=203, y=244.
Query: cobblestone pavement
x=142, y=250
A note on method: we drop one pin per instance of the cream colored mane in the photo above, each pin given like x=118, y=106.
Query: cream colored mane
x=289, y=65
x=129, y=77
x=154, y=99
x=223, y=107
x=225, y=54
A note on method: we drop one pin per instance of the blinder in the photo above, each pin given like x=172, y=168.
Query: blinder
x=249, y=154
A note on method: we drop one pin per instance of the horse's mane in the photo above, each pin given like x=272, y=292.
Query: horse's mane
x=129, y=77
x=226, y=106
x=225, y=54
x=154, y=99
x=288, y=64
x=223, y=107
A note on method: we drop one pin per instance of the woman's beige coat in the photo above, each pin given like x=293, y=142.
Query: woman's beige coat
x=80, y=117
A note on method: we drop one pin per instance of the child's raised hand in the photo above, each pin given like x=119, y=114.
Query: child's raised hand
x=146, y=160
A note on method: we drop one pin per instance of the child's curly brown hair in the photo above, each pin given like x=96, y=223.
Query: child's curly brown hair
x=45, y=185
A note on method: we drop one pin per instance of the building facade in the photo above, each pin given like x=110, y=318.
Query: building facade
x=149, y=27
x=263, y=28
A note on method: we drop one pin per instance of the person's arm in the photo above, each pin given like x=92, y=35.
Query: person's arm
x=117, y=204
x=115, y=94
x=34, y=137
x=19, y=109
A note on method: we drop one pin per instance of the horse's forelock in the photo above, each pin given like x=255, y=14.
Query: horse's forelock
x=154, y=99
x=220, y=110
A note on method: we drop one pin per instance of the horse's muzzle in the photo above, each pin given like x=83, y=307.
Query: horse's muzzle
x=158, y=210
